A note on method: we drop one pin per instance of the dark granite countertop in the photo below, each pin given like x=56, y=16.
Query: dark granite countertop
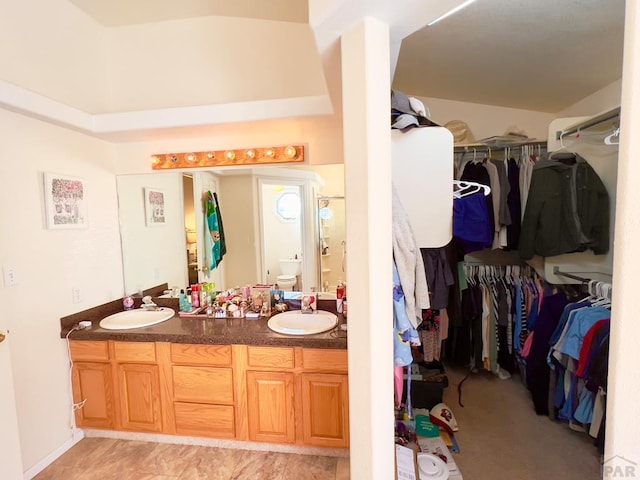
x=222, y=331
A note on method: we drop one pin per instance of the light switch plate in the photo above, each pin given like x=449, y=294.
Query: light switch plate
x=10, y=275
x=76, y=295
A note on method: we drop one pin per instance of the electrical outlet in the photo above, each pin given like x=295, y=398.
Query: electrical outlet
x=76, y=295
x=10, y=275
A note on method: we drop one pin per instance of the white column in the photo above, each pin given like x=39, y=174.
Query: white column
x=367, y=153
x=623, y=420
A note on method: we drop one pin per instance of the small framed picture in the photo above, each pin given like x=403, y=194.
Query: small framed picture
x=154, y=207
x=65, y=201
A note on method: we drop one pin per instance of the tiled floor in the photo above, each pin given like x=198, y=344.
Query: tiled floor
x=111, y=459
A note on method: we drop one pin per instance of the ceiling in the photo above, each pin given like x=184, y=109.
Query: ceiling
x=112, y=13
x=541, y=55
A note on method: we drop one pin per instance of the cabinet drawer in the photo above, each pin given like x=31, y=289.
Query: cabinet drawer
x=325, y=360
x=201, y=354
x=202, y=384
x=135, y=351
x=88, y=350
x=270, y=357
x=204, y=420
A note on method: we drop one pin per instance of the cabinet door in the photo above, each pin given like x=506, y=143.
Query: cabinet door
x=325, y=409
x=92, y=383
x=270, y=407
x=139, y=390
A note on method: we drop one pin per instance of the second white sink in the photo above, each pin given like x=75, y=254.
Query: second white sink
x=136, y=318
x=294, y=322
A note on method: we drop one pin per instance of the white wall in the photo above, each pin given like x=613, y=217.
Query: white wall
x=210, y=60
x=488, y=120
x=49, y=263
x=367, y=140
x=623, y=421
x=333, y=179
x=604, y=99
x=152, y=254
x=52, y=48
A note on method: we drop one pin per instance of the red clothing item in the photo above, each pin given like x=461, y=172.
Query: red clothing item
x=586, y=346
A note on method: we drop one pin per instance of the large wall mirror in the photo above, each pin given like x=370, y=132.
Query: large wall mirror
x=282, y=225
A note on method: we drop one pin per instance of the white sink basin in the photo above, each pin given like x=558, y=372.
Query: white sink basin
x=294, y=322
x=136, y=318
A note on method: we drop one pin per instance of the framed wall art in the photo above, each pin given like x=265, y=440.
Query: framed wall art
x=154, y=207
x=65, y=201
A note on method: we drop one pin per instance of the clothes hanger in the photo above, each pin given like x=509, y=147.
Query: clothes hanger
x=614, y=138
x=464, y=185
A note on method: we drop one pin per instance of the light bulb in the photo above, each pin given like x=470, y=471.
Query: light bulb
x=211, y=155
x=230, y=154
x=191, y=157
x=290, y=151
x=251, y=153
x=270, y=152
x=155, y=160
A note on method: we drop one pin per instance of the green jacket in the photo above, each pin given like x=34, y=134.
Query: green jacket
x=567, y=209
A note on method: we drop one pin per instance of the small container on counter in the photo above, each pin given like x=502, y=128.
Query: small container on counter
x=340, y=293
x=195, y=296
x=127, y=302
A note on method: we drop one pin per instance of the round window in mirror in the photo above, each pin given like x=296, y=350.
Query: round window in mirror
x=288, y=205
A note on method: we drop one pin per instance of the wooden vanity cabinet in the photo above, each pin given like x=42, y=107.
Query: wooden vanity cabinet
x=202, y=390
x=325, y=398
x=287, y=395
x=325, y=404
x=92, y=382
x=270, y=394
x=298, y=396
x=138, y=386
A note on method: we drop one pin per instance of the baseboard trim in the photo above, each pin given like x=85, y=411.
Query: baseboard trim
x=213, y=442
x=76, y=436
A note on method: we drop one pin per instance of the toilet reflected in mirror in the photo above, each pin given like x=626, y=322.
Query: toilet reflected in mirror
x=290, y=270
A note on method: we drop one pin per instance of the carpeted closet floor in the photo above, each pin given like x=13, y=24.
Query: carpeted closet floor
x=501, y=437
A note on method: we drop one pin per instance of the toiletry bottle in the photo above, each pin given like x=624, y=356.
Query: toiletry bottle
x=195, y=296
x=344, y=307
x=184, y=303
x=340, y=296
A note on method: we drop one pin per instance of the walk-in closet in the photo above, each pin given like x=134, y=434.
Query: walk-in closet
x=505, y=143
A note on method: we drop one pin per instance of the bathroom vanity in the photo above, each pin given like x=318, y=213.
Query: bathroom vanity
x=220, y=378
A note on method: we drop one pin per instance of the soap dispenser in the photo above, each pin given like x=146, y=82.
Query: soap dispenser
x=185, y=306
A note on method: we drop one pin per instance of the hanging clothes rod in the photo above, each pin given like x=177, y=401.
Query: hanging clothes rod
x=557, y=271
x=480, y=148
x=592, y=122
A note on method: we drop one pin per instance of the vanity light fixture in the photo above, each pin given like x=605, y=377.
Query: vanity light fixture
x=219, y=158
